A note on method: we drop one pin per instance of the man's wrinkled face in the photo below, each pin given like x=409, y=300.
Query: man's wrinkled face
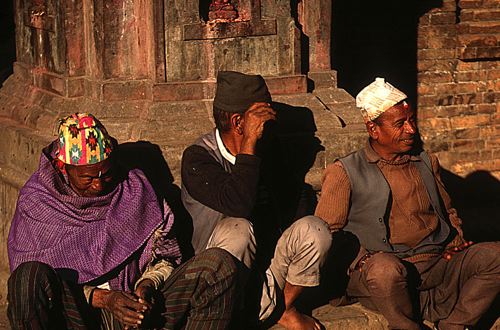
x=395, y=131
x=91, y=180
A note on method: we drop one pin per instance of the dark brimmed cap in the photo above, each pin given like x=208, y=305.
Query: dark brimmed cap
x=237, y=91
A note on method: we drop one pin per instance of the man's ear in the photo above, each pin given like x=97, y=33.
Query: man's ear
x=235, y=120
x=372, y=129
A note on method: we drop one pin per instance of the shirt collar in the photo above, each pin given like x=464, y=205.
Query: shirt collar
x=222, y=148
x=373, y=157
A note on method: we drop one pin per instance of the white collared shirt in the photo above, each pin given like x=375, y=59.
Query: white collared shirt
x=222, y=148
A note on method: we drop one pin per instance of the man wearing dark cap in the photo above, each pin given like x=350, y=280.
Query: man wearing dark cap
x=232, y=201
x=92, y=247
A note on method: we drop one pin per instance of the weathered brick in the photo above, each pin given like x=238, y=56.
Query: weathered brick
x=427, y=100
x=467, y=66
x=466, y=15
x=441, y=31
x=478, y=40
x=486, y=108
x=470, y=4
x=427, y=54
x=456, y=88
x=436, y=65
x=424, y=20
x=496, y=156
x=425, y=89
x=449, y=5
x=493, y=143
x=435, y=77
x=488, y=65
x=489, y=131
x=454, y=110
x=422, y=42
x=425, y=65
x=463, y=28
x=491, y=97
x=473, y=144
x=442, y=18
x=486, y=15
x=490, y=4
x=439, y=124
x=465, y=168
x=458, y=99
x=475, y=53
x=493, y=85
x=467, y=133
x=437, y=145
x=470, y=121
x=493, y=74
x=469, y=155
x=438, y=43
x=465, y=76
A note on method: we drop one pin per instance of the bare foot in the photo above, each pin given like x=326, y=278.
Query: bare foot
x=293, y=320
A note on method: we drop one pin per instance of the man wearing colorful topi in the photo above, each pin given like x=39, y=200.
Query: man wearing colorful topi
x=90, y=246
x=413, y=262
x=234, y=201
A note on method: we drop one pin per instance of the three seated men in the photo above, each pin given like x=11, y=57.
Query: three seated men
x=91, y=246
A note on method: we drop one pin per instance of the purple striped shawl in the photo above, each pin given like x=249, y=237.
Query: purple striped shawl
x=105, y=238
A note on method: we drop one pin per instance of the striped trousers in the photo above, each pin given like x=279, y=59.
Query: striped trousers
x=199, y=294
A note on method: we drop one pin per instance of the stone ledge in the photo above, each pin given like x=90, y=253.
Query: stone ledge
x=347, y=317
x=356, y=317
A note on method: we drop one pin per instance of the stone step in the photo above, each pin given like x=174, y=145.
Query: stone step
x=360, y=318
x=353, y=317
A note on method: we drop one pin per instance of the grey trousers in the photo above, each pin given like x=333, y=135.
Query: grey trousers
x=298, y=256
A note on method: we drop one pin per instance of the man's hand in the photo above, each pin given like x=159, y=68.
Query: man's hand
x=124, y=306
x=253, y=125
x=145, y=292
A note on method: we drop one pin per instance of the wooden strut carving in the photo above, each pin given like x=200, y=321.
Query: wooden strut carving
x=222, y=9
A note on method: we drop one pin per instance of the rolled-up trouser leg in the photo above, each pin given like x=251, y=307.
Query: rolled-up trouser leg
x=201, y=292
x=300, y=252
x=39, y=299
x=382, y=284
x=236, y=236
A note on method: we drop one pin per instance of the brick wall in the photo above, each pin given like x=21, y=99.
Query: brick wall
x=459, y=84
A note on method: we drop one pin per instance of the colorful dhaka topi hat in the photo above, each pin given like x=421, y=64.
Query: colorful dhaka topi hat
x=83, y=140
x=378, y=97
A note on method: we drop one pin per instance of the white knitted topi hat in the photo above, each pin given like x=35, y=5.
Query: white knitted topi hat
x=378, y=97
